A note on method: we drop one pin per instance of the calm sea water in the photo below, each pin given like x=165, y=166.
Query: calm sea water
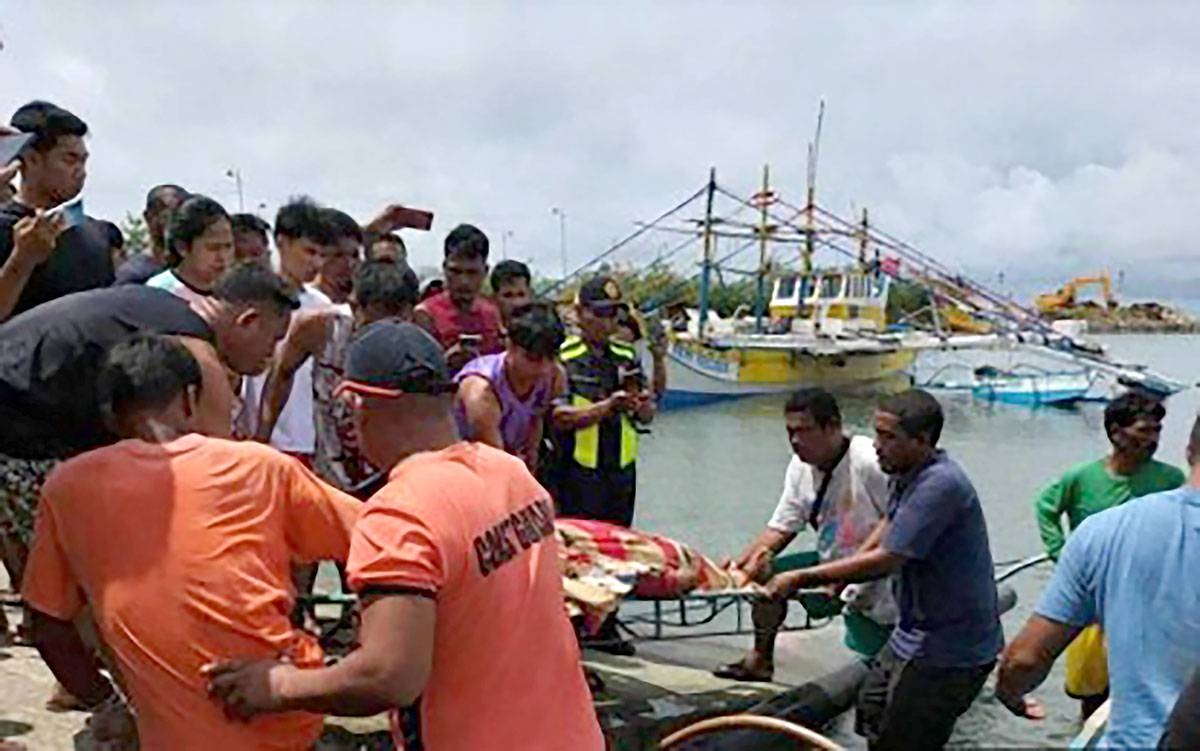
x=711, y=476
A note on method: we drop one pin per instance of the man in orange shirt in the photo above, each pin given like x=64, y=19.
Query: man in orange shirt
x=455, y=561
x=182, y=545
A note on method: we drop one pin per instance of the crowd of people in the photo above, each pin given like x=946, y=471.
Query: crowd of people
x=229, y=397
x=189, y=430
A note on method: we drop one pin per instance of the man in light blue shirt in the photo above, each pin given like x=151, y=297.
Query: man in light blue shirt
x=1132, y=569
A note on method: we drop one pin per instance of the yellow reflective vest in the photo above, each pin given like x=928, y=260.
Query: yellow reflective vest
x=592, y=376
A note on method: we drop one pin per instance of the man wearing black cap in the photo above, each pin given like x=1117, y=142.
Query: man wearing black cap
x=462, y=535
x=594, y=473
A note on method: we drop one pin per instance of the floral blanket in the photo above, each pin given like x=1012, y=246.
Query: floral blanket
x=602, y=563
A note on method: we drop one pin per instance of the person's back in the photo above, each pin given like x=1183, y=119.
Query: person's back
x=183, y=550
x=1132, y=569
x=470, y=526
x=947, y=596
x=49, y=357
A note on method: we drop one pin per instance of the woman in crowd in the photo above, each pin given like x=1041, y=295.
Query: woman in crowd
x=199, y=247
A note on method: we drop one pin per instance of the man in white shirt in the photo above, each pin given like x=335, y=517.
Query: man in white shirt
x=833, y=485
x=302, y=233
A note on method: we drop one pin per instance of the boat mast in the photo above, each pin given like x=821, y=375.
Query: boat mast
x=864, y=238
x=709, y=242
x=763, y=229
x=814, y=151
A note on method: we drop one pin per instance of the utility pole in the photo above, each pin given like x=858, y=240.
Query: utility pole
x=562, y=237
x=504, y=243
x=236, y=175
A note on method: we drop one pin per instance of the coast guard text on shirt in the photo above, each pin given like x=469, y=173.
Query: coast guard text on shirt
x=529, y=525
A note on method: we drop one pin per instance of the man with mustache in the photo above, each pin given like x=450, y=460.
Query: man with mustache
x=1133, y=423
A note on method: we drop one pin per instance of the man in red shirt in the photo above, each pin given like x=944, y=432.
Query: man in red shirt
x=464, y=322
x=456, y=565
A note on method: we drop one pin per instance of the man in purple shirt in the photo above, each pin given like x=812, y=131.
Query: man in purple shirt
x=935, y=539
x=503, y=399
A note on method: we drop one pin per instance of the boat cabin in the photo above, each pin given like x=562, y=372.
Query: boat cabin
x=830, y=301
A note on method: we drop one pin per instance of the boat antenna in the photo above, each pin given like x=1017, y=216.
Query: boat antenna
x=814, y=153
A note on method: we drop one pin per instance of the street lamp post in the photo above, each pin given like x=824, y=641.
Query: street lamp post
x=562, y=237
x=236, y=176
x=504, y=243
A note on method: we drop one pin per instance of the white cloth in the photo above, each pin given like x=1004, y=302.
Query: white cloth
x=855, y=500
x=294, y=431
x=171, y=283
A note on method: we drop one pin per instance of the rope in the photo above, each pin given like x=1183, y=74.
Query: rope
x=810, y=738
x=640, y=231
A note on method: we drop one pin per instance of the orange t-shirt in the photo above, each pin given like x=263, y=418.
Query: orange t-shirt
x=470, y=527
x=184, y=552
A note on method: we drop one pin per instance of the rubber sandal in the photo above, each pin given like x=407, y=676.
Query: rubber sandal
x=737, y=671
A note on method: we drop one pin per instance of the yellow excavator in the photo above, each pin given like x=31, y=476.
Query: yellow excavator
x=1066, y=297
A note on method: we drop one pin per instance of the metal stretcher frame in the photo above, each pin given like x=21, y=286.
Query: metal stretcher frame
x=691, y=611
x=698, y=609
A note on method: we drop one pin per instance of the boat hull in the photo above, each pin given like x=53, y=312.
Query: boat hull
x=700, y=374
x=1035, y=390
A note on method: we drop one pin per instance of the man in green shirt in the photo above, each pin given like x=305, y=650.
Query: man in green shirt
x=1133, y=423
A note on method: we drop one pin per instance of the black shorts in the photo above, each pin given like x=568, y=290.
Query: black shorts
x=908, y=706
x=603, y=495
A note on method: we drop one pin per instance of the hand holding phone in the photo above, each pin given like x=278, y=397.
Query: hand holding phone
x=34, y=236
x=396, y=217
x=470, y=341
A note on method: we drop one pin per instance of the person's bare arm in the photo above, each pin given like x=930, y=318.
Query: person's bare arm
x=753, y=559
x=305, y=339
x=1026, y=662
x=421, y=317
x=389, y=670
x=660, y=372
x=532, y=451
x=215, y=416
x=61, y=648
x=482, y=411
x=875, y=538
x=859, y=567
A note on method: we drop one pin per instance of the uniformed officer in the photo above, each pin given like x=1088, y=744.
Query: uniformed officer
x=594, y=473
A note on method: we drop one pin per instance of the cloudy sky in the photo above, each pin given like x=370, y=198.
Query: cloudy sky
x=1041, y=139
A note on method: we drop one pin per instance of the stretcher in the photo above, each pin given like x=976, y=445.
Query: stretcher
x=641, y=619
x=646, y=619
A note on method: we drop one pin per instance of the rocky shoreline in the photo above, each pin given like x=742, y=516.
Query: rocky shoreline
x=1138, y=318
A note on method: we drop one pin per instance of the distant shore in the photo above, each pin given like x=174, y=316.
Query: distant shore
x=1142, y=327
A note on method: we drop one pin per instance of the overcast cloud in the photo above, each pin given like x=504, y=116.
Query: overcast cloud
x=1040, y=138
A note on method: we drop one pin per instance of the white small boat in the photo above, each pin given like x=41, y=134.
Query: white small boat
x=1025, y=385
x=1032, y=386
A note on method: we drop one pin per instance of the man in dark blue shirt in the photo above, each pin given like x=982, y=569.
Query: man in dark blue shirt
x=935, y=537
